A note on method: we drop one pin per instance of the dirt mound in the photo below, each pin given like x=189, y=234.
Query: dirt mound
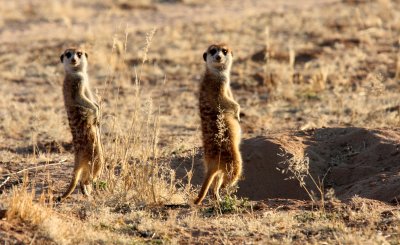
x=356, y=161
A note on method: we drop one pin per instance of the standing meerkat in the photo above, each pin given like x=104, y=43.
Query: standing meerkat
x=83, y=117
x=220, y=127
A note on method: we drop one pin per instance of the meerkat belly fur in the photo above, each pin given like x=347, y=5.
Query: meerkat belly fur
x=83, y=116
x=219, y=114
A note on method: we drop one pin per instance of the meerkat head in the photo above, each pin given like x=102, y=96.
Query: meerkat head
x=74, y=60
x=218, y=57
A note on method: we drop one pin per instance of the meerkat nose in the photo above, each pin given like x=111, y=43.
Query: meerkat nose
x=218, y=57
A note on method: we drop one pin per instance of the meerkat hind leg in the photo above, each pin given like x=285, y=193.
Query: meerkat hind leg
x=86, y=180
x=98, y=160
x=86, y=189
x=89, y=183
x=218, y=180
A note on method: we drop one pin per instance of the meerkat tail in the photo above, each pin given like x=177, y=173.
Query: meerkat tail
x=73, y=184
x=206, y=185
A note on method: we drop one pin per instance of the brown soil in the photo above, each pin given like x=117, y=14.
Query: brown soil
x=16, y=232
x=356, y=161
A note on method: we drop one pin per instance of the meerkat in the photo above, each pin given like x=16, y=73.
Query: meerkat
x=83, y=117
x=219, y=113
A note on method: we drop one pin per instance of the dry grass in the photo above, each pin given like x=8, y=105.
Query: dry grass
x=310, y=64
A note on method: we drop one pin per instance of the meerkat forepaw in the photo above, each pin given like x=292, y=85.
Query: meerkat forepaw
x=97, y=116
x=97, y=105
x=97, y=121
x=96, y=111
x=237, y=116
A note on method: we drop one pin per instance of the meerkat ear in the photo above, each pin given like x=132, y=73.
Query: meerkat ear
x=205, y=57
x=62, y=58
x=86, y=55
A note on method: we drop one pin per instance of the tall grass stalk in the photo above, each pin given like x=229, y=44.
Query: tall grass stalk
x=133, y=171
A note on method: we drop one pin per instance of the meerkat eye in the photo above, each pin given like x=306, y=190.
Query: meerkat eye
x=68, y=54
x=213, y=51
x=79, y=54
x=224, y=51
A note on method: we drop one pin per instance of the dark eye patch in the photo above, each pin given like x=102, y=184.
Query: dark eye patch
x=213, y=51
x=224, y=51
x=79, y=54
x=68, y=54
